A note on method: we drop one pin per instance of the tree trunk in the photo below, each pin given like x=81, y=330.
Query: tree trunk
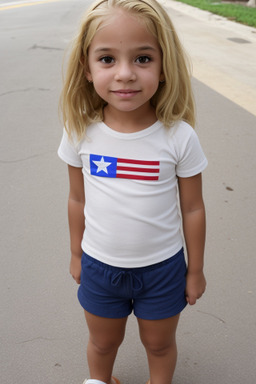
x=251, y=3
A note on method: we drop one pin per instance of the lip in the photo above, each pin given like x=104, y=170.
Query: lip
x=125, y=93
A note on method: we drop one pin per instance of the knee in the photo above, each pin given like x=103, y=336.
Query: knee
x=159, y=347
x=105, y=346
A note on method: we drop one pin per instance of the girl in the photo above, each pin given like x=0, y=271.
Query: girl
x=130, y=146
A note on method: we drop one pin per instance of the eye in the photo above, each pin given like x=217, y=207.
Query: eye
x=143, y=59
x=107, y=60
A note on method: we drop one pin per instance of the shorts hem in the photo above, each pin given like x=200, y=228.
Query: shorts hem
x=92, y=308
x=156, y=316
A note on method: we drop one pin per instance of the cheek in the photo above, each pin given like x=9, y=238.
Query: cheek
x=101, y=84
x=152, y=76
x=152, y=81
x=100, y=80
x=100, y=77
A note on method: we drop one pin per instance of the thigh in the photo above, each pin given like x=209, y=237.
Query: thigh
x=158, y=333
x=105, y=332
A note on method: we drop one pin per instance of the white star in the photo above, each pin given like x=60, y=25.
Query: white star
x=102, y=165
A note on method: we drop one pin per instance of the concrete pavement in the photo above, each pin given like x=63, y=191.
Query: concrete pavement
x=223, y=52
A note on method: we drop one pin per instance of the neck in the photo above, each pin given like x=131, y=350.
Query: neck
x=129, y=122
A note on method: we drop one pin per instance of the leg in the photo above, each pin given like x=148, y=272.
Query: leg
x=159, y=340
x=106, y=335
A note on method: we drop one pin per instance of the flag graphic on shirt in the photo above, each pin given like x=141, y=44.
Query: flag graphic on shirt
x=113, y=167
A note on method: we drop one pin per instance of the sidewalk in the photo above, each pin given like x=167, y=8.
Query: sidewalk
x=223, y=52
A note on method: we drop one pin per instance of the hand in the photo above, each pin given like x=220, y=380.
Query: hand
x=195, y=287
x=75, y=267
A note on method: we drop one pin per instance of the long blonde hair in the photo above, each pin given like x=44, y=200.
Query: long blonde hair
x=173, y=100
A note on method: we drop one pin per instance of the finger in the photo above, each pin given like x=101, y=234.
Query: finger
x=191, y=300
x=77, y=279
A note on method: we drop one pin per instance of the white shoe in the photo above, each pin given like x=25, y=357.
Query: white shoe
x=114, y=380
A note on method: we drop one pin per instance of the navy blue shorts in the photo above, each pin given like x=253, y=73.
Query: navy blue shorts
x=154, y=292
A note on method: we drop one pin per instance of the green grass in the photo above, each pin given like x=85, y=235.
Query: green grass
x=236, y=12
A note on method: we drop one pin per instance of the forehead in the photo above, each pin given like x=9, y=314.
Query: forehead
x=123, y=28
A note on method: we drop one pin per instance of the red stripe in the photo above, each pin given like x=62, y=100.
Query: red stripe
x=136, y=177
x=143, y=162
x=134, y=169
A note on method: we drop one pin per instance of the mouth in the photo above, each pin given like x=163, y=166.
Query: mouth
x=125, y=93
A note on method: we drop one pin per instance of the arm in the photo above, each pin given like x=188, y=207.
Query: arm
x=76, y=203
x=193, y=216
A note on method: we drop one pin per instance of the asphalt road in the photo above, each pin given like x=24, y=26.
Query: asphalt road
x=43, y=333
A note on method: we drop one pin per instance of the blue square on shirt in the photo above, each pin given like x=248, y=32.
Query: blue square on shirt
x=103, y=166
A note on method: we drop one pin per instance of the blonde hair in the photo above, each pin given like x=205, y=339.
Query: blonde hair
x=173, y=100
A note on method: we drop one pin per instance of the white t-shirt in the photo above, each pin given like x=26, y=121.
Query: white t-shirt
x=130, y=180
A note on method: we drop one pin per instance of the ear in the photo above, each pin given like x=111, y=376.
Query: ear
x=161, y=78
x=88, y=76
x=86, y=69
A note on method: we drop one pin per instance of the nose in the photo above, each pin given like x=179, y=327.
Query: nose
x=125, y=72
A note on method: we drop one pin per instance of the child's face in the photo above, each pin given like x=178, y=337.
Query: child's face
x=125, y=63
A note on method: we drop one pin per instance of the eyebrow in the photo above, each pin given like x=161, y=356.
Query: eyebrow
x=142, y=48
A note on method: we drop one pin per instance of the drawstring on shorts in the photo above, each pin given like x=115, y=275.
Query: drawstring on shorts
x=134, y=282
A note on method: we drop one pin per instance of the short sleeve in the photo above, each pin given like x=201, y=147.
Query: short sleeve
x=68, y=153
x=191, y=158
